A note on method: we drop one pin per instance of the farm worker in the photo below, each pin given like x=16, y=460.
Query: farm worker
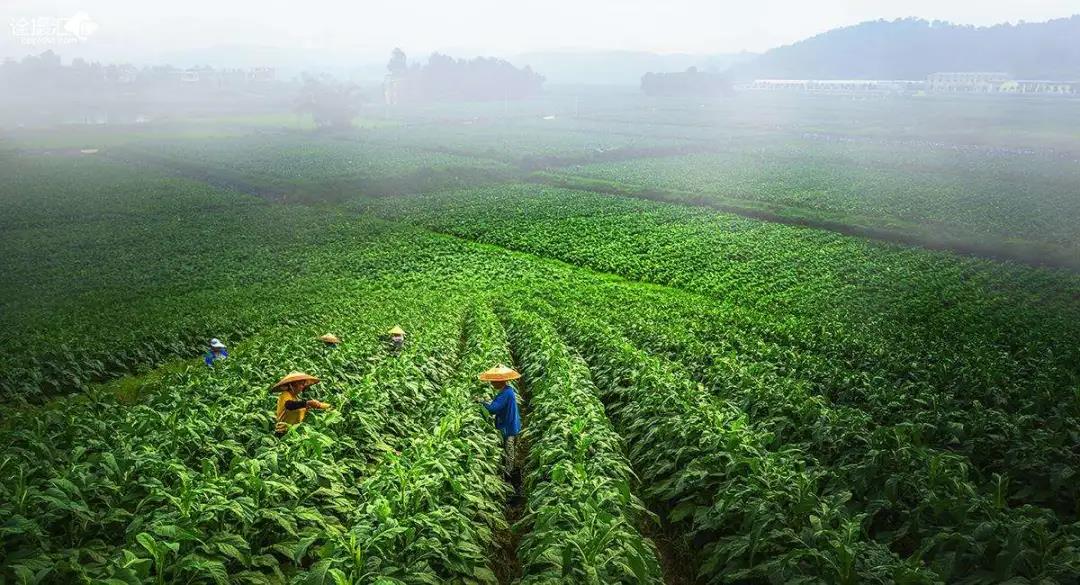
x=397, y=338
x=504, y=407
x=217, y=352
x=330, y=340
x=290, y=407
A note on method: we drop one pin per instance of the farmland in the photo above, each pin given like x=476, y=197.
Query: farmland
x=967, y=194
x=709, y=394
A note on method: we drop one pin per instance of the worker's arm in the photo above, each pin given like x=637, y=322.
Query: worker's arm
x=499, y=403
x=209, y=359
x=317, y=404
x=295, y=404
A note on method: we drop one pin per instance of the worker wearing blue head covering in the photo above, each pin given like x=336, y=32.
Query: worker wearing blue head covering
x=217, y=352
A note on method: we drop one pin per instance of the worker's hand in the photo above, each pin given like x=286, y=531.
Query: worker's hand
x=317, y=404
x=281, y=427
x=480, y=400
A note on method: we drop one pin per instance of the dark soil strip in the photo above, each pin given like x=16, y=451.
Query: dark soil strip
x=675, y=553
x=1028, y=254
x=535, y=163
x=507, y=564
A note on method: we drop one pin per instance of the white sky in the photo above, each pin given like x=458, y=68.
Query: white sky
x=138, y=29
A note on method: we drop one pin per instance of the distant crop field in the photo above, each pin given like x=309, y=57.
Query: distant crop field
x=925, y=189
x=532, y=143
x=887, y=391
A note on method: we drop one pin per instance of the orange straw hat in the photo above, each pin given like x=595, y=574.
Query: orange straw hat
x=295, y=377
x=330, y=338
x=397, y=331
x=500, y=373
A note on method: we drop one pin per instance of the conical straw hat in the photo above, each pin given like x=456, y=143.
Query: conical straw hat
x=500, y=373
x=397, y=331
x=330, y=338
x=295, y=377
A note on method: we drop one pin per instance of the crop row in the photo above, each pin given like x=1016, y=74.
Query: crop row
x=581, y=519
x=751, y=512
x=430, y=511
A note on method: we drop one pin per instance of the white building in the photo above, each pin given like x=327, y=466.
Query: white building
x=966, y=82
x=998, y=83
x=1037, y=86
x=838, y=86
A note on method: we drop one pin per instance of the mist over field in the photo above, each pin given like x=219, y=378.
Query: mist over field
x=489, y=293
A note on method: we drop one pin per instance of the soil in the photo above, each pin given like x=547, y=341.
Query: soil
x=507, y=564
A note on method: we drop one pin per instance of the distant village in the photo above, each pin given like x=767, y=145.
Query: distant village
x=41, y=89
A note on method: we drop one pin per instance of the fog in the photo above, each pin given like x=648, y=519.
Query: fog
x=147, y=32
x=564, y=84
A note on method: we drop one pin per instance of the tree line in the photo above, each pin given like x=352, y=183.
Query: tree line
x=691, y=83
x=444, y=78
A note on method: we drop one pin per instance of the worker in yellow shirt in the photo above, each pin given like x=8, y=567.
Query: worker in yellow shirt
x=291, y=408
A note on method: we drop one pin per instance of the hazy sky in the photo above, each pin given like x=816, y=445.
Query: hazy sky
x=140, y=29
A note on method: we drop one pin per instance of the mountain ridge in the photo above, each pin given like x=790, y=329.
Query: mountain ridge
x=913, y=48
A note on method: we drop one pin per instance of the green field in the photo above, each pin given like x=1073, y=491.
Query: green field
x=766, y=340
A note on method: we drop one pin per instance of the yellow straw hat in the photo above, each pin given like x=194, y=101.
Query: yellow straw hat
x=397, y=331
x=500, y=373
x=330, y=338
x=295, y=377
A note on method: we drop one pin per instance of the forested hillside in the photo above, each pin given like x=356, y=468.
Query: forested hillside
x=914, y=48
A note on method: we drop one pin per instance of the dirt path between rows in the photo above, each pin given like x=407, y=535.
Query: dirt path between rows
x=508, y=565
x=673, y=552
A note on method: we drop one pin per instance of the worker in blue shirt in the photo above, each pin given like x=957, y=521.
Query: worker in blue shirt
x=504, y=407
x=217, y=352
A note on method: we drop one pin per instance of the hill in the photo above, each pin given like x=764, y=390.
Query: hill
x=914, y=48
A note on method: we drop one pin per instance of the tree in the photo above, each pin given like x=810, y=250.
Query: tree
x=444, y=78
x=331, y=104
x=399, y=63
